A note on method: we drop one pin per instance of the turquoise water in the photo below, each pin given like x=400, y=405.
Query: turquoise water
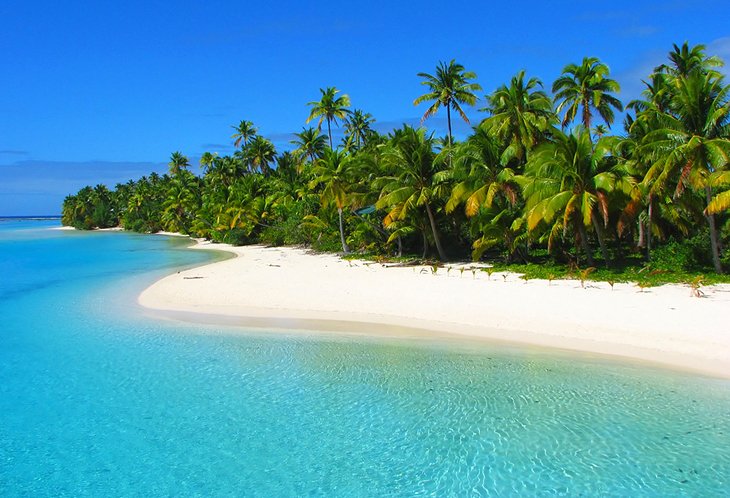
x=96, y=399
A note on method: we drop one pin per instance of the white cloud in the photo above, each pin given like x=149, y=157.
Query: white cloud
x=631, y=79
x=721, y=48
x=639, y=31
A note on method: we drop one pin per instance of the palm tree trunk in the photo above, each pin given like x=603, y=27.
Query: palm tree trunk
x=329, y=131
x=434, y=230
x=448, y=120
x=618, y=244
x=345, y=249
x=400, y=247
x=642, y=234
x=425, y=244
x=650, y=215
x=587, y=119
x=713, y=234
x=601, y=240
x=584, y=242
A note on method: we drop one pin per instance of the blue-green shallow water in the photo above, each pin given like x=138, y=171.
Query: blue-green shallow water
x=97, y=400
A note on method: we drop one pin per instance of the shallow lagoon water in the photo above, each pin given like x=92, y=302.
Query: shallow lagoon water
x=97, y=399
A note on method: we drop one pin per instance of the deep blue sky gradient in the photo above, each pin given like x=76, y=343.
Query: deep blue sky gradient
x=101, y=92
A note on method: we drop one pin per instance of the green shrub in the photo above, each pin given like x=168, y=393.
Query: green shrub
x=684, y=255
x=327, y=242
x=236, y=237
x=672, y=256
x=286, y=230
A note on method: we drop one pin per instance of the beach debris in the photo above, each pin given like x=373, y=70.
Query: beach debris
x=572, y=269
x=695, y=285
x=583, y=275
x=643, y=285
x=191, y=278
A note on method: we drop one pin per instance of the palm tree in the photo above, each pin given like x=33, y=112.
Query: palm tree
x=693, y=143
x=144, y=208
x=586, y=88
x=330, y=108
x=488, y=191
x=332, y=171
x=310, y=144
x=181, y=202
x=721, y=201
x=477, y=175
x=521, y=116
x=260, y=153
x=600, y=130
x=241, y=156
x=103, y=215
x=636, y=160
x=222, y=172
x=639, y=153
x=568, y=182
x=120, y=199
x=451, y=88
x=410, y=155
x=685, y=59
x=239, y=214
x=357, y=129
x=207, y=160
x=245, y=131
x=656, y=94
x=178, y=162
x=83, y=209
x=286, y=183
x=68, y=211
x=286, y=166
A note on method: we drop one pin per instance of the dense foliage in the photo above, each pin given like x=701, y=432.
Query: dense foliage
x=537, y=179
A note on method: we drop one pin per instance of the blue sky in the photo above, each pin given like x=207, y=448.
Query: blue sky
x=101, y=92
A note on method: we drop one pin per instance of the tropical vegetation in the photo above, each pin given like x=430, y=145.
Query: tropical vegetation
x=540, y=178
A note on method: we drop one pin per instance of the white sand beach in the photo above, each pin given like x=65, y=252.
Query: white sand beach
x=293, y=288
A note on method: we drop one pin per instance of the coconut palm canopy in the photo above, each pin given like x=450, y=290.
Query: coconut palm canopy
x=330, y=109
x=189, y=75
x=586, y=88
x=538, y=178
x=450, y=87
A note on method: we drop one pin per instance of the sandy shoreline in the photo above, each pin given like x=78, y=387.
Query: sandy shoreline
x=288, y=288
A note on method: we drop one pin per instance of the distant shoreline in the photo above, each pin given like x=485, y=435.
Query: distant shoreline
x=286, y=288
x=32, y=218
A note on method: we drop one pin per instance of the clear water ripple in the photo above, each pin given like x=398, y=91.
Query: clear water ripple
x=98, y=401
